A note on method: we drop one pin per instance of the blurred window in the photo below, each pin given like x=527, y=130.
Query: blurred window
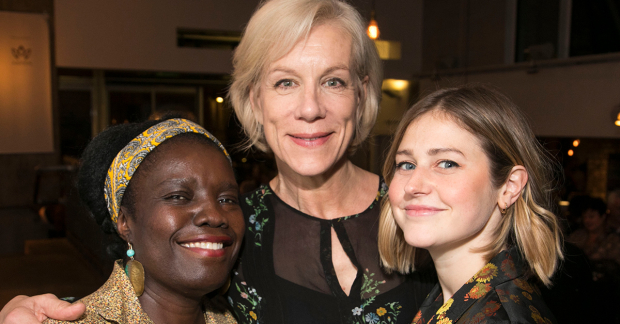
x=537, y=29
x=595, y=27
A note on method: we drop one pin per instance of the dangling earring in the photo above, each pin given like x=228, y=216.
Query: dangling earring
x=135, y=272
x=503, y=210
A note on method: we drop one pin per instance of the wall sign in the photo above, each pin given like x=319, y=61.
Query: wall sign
x=25, y=84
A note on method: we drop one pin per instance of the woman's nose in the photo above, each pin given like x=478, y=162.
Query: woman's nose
x=210, y=214
x=418, y=183
x=310, y=107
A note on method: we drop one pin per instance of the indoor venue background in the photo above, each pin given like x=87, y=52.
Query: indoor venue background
x=115, y=61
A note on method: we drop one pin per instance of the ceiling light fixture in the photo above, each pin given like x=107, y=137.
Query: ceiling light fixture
x=373, y=28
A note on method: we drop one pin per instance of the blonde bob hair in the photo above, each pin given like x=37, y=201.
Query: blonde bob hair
x=507, y=140
x=273, y=31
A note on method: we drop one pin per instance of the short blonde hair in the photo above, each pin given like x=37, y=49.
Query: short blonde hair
x=273, y=31
x=507, y=141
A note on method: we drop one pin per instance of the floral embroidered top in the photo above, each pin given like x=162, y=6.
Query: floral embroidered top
x=116, y=302
x=498, y=293
x=286, y=275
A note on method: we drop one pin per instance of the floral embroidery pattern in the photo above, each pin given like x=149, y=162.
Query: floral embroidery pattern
x=478, y=291
x=249, y=294
x=508, y=266
x=383, y=315
x=487, y=273
x=257, y=201
x=383, y=189
x=539, y=319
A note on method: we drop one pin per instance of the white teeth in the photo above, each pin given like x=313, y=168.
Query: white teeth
x=204, y=245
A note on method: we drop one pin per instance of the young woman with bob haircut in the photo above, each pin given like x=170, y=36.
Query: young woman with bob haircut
x=470, y=183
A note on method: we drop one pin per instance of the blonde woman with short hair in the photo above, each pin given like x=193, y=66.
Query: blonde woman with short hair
x=470, y=183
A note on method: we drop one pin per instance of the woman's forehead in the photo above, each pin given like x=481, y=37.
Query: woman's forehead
x=318, y=36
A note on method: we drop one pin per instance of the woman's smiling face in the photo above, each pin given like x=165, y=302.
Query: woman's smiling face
x=187, y=225
x=307, y=102
x=441, y=194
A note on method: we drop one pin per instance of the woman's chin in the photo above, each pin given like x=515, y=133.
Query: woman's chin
x=419, y=240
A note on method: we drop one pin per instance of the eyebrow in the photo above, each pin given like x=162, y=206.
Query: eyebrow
x=436, y=151
x=433, y=151
x=281, y=69
x=336, y=68
x=225, y=186
x=291, y=71
x=177, y=181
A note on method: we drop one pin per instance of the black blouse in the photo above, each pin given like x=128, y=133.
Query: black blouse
x=286, y=275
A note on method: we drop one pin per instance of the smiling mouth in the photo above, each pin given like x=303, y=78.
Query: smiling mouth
x=310, y=138
x=203, y=245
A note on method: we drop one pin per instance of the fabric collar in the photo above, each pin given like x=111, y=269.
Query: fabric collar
x=505, y=266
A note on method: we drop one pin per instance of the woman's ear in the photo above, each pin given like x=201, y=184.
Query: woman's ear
x=122, y=225
x=254, y=102
x=512, y=188
x=364, y=89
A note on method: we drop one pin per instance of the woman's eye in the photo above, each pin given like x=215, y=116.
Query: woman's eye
x=286, y=83
x=334, y=83
x=447, y=164
x=405, y=166
x=225, y=200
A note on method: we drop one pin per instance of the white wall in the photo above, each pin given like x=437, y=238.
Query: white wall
x=26, y=124
x=569, y=101
x=141, y=34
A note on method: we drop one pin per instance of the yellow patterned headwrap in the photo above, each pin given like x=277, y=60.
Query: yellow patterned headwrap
x=129, y=158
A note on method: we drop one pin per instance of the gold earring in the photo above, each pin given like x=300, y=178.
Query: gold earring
x=503, y=210
x=135, y=272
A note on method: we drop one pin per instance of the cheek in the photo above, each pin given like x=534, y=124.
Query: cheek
x=396, y=191
x=156, y=228
x=275, y=108
x=343, y=106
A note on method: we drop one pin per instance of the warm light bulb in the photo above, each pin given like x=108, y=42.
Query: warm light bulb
x=576, y=142
x=373, y=29
x=219, y=99
x=570, y=152
x=617, y=122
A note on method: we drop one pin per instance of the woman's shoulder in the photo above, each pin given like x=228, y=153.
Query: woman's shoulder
x=522, y=302
x=113, y=302
x=90, y=317
x=218, y=315
x=255, y=196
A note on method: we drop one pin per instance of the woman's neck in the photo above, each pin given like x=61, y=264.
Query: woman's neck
x=455, y=267
x=164, y=307
x=341, y=191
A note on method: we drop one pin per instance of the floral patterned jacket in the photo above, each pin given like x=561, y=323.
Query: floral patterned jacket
x=498, y=293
